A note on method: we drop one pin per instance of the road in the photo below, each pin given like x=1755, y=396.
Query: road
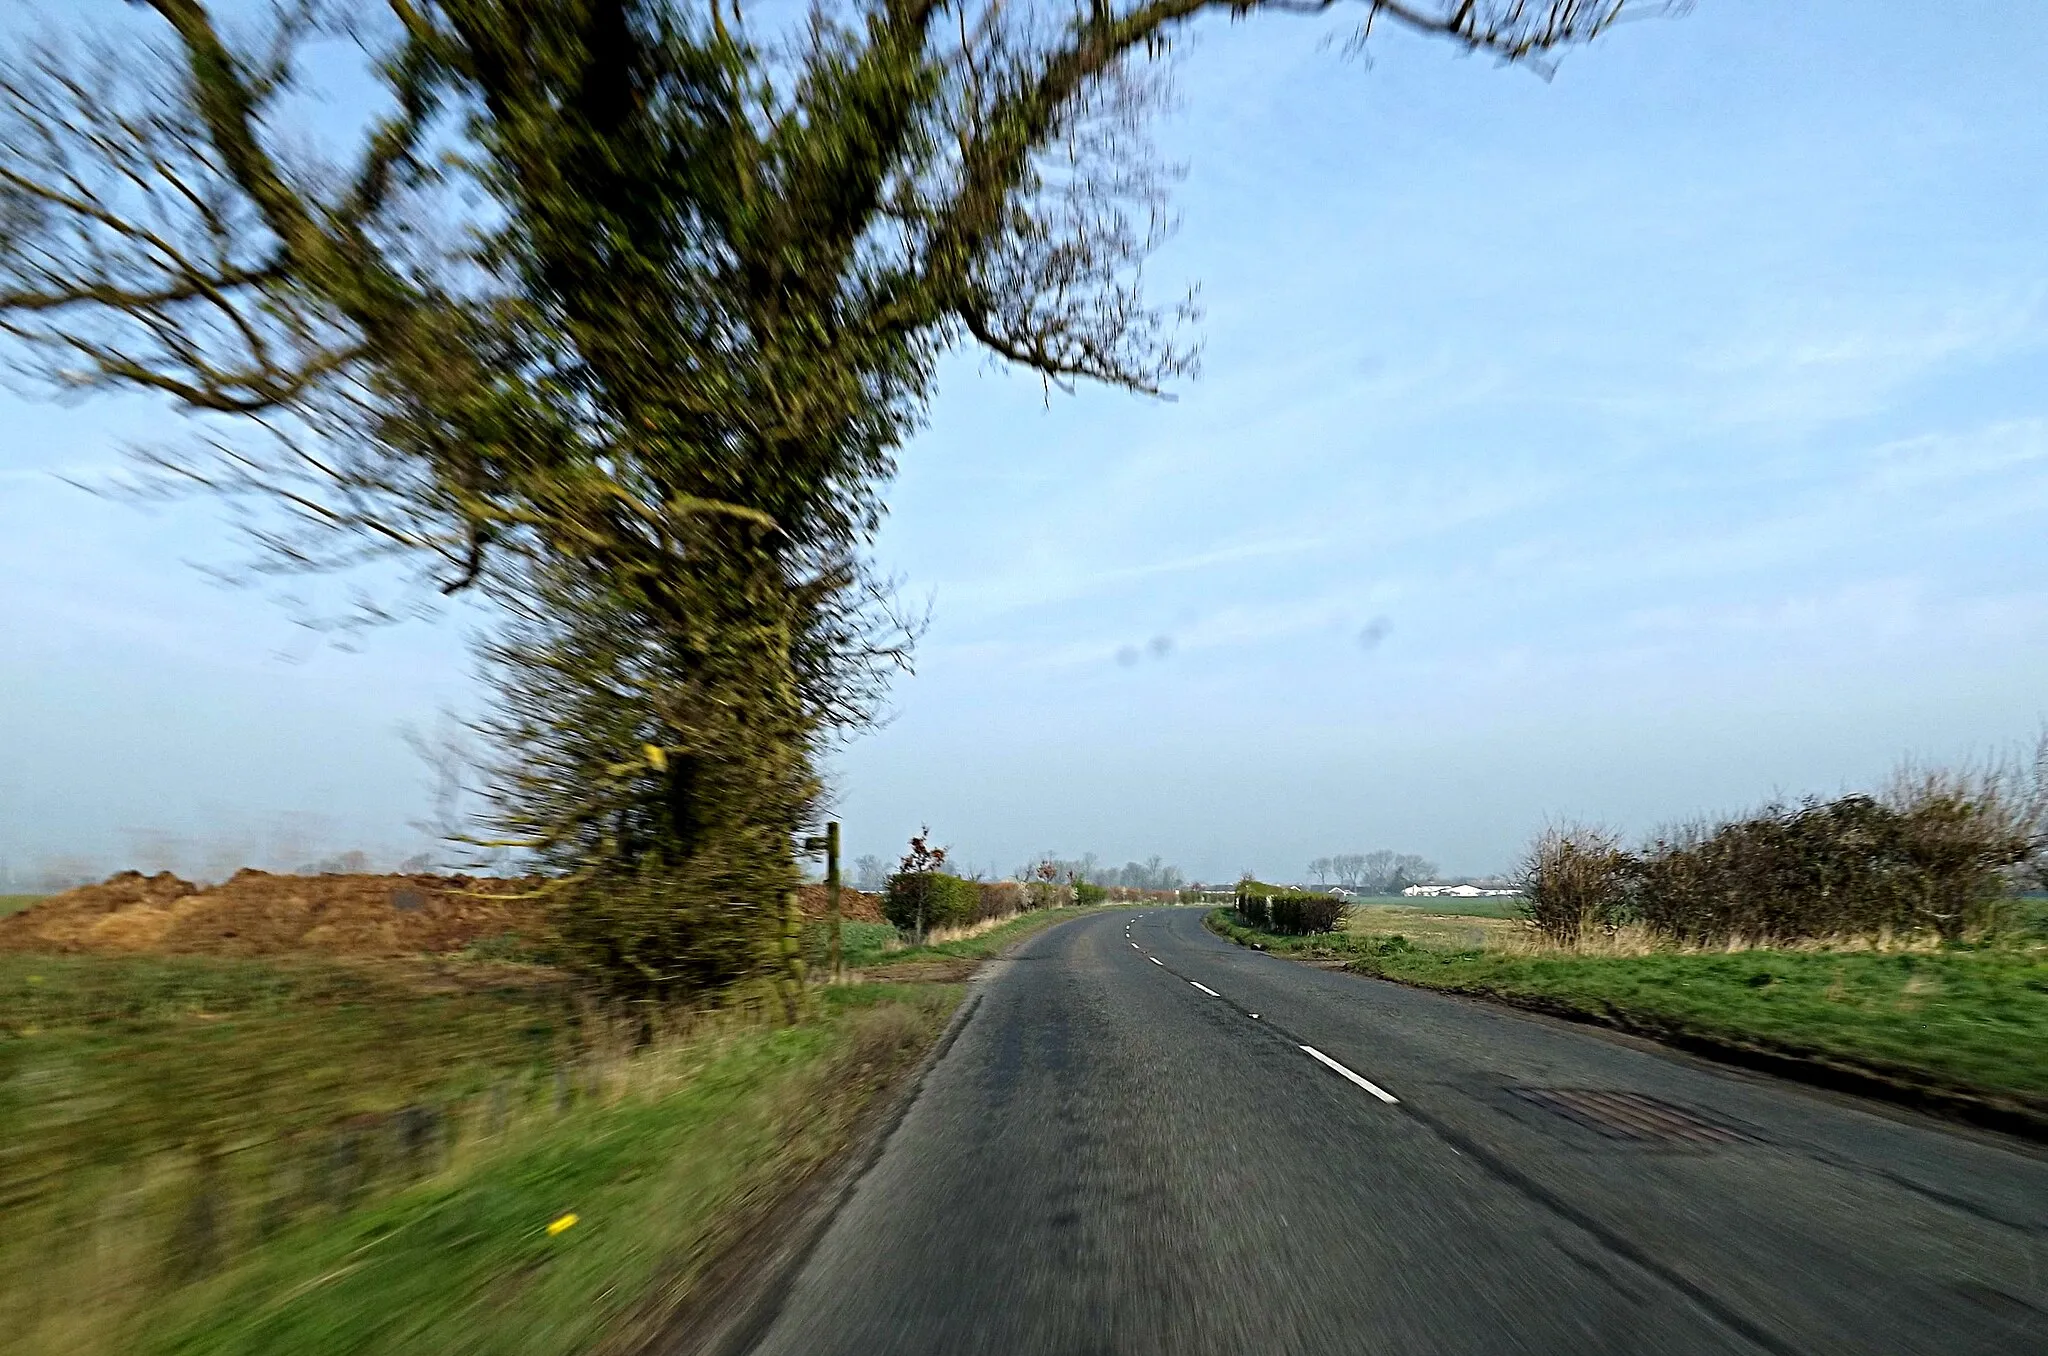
x=1127, y=1149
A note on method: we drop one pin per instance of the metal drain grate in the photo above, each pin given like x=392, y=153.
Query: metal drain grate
x=1629, y=1115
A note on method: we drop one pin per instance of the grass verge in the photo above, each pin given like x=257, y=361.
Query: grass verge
x=236, y=1157
x=1957, y=1027
x=955, y=956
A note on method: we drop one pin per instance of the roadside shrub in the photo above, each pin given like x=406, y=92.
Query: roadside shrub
x=1088, y=892
x=1935, y=860
x=1300, y=913
x=932, y=898
x=1047, y=894
x=1575, y=879
x=1000, y=899
x=1276, y=908
x=1937, y=855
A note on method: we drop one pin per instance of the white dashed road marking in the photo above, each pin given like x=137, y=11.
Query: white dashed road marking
x=1389, y=1098
x=1318, y=1056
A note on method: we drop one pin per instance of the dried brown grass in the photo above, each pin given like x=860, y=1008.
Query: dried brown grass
x=1638, y=939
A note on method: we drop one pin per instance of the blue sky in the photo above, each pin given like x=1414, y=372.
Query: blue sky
x=1625, y=446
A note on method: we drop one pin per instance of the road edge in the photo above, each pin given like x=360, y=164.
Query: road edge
x=1790, y=1064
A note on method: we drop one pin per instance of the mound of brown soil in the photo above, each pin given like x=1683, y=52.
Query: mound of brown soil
x=258, y=914
x=855, y=906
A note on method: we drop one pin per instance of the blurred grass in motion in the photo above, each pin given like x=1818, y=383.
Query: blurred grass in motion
x=861, y=944
x=229, y=1156
x=1968, y=1019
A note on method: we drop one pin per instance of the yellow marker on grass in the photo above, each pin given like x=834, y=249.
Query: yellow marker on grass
x=561, y=1224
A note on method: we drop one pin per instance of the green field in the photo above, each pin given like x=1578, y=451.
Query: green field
x=16, y=903
x=218, y=1156
x=1966, y=1020
x=1495, y=907
x=1433, y=927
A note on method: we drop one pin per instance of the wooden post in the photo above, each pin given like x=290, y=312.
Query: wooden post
x=792, y=982
x=832, y=887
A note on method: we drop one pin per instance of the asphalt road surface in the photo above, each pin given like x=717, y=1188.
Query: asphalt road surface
x=1148, y=1140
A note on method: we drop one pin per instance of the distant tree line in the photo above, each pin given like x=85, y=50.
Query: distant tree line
x=1380, y=872
x=1154, y=873
x=872, y=873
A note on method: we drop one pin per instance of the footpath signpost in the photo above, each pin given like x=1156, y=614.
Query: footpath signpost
x=829, y=845
x=832, y=888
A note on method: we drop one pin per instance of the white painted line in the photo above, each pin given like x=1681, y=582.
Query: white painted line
x=1136, y=947
x=1389, y=1098
x=1205, y=988
x=1155, y=960
x=1255, y=1016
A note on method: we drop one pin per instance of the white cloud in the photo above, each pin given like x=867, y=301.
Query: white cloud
x=1814, y=358
x=1932, y=460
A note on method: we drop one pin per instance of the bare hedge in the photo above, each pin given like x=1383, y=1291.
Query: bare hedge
x=1935, y=857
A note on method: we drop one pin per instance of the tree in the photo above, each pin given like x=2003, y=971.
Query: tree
x=870, y=873
x=1042, y=884
x=1379, y=872
x=1408, y=869
x=916, y=882
x=1356, y=870
x=644, y=394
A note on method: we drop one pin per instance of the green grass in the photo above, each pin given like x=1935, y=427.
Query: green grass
x=467, y=1265
x=1459, y=929
x=1968, y=1020
x=985, y=944
x=865, y=945
x=860, y=944
x=16, y=903
x=102, y=1057
x=1497, y=907
x=2030, y=918
x=207, y=1155
x=1354, y=939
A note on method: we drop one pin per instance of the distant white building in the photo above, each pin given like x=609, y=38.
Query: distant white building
x=1453, y=892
